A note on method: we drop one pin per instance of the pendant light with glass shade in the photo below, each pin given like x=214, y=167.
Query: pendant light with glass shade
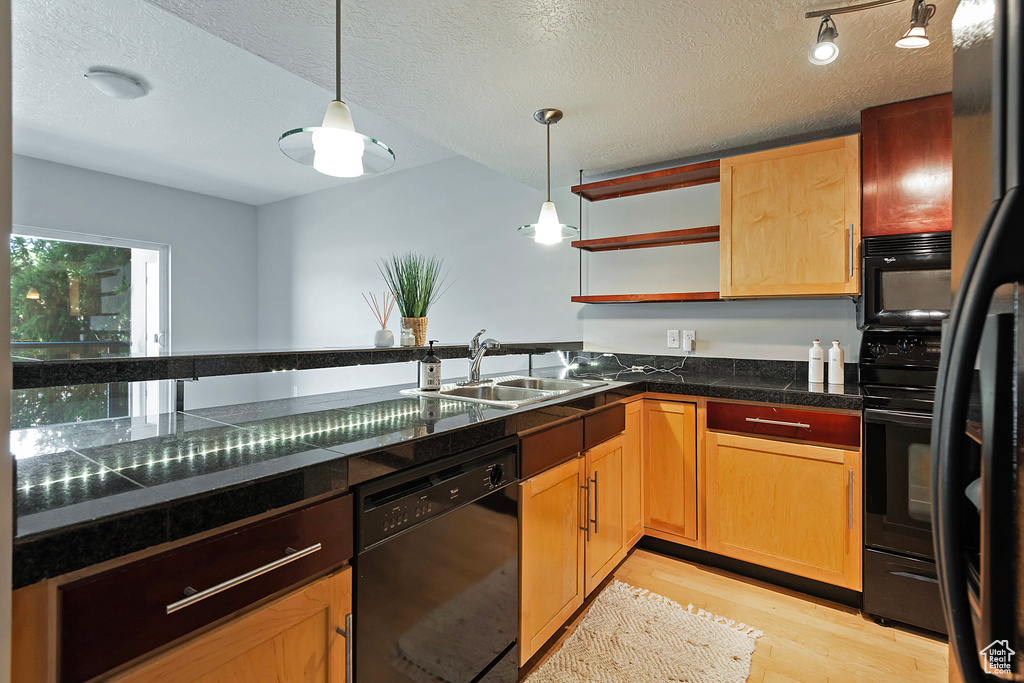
x=547, y=229
x=334, y=148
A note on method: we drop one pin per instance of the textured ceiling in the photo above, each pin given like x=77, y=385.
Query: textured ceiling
x=640, y=81
x=211, y=121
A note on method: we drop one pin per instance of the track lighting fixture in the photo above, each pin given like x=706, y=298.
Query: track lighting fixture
x=825, y=49
x=917, y=35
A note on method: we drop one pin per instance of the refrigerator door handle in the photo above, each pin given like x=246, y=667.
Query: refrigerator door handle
x=993, y=262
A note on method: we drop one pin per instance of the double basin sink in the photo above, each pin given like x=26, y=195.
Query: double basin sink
x=510, y=392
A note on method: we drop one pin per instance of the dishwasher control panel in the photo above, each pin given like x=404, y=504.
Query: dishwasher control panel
x=392, y=511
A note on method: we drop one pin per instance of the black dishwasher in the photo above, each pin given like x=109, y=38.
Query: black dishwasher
x=437, y=588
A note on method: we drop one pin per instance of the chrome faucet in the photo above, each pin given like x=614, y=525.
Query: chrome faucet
x=477, y=349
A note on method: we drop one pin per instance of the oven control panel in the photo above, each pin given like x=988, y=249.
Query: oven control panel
x=899, y=348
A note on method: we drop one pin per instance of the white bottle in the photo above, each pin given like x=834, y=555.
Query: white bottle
x=836, y=373
x=816, y=364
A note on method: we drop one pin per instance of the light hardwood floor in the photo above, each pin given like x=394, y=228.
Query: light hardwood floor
x=806, y=639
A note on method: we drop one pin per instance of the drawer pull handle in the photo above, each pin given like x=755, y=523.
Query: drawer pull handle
x=760, y=420
x=193, y=596
x=916, y=577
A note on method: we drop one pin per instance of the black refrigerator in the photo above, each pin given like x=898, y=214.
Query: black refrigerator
x=978, y=425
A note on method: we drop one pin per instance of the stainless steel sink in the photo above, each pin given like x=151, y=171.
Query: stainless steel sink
x=509, y=392
x=549, y=384
x=490, y=392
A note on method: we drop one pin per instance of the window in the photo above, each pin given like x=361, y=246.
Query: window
x=79, y=296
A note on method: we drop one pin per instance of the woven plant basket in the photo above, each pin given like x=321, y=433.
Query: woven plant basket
x=419, y=329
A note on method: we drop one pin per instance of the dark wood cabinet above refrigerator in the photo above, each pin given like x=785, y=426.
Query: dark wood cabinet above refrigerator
x=907, y=166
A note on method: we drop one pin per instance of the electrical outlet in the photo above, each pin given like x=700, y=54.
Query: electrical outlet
x=689, y=340
x=673, y=339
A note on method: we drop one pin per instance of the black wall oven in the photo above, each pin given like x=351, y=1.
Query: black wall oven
x=906, y=280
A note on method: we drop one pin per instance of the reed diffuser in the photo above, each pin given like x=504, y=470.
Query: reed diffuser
x=383, y=337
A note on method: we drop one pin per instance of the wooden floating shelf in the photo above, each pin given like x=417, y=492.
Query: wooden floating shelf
x=651, y=239
x=647, y=298
x=654, y=181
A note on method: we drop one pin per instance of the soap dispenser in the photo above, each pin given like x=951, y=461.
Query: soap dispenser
x=430, y=370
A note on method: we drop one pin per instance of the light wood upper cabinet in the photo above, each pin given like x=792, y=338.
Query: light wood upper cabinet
x=606, y=544
x=789, y=506
x=551, y=552
x=632, y=473
x=293, y=638
x=790, y=221
x=670, y=468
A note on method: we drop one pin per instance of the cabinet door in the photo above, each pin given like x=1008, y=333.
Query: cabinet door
x=632, y=473
x=293, y=638
x=670, y=468
x=784, y=505
x=551, y=548
x=606, y=546
x=790, y=221
x=907, y=169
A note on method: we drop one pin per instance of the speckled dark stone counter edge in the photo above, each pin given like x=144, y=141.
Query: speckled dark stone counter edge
x=54, y=373
x=88, y=542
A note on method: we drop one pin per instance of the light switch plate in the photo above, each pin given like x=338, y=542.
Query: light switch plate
x=673, y=339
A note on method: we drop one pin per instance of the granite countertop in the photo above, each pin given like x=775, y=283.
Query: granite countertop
x=93, y=491
x=31, y=373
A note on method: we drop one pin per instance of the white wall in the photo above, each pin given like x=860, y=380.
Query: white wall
x=779, y=329
x=213, y=252
x=317, y=253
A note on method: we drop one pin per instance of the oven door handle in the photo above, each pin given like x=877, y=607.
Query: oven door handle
x=877, y=416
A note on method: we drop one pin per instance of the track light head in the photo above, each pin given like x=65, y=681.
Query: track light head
x=917, y=35
x=825, y=49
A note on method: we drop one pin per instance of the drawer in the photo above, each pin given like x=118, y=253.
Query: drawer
x=546, y=448
x=789, y=423
x=113, y=617
x=601, y=425
x=902, y=589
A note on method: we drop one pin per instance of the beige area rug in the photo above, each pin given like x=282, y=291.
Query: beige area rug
x=630, y=634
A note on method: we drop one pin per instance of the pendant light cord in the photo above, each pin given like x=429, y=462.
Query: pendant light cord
x=337, y=50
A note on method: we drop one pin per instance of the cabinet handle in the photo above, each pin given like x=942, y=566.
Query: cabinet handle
x=347, y=634
x=586, y=487
x=194, y=596
x=759, y=420
x=916, y=577
x=850, y=488
x=595, y=504
x=851, y=250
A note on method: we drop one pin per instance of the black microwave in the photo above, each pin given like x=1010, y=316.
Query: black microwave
x=906, y=280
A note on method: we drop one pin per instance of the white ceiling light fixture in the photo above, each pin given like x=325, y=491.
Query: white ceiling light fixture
x=917, y=35
x=334, y=147
x=116, y=84
x=825, y=49
x=547, y=229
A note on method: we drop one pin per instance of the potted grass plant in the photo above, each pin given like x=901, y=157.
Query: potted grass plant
x=417, y=282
